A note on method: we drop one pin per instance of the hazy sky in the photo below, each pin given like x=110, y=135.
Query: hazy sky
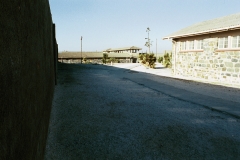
x=121, y=23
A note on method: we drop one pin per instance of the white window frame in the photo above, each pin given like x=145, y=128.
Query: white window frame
x=183, y=46
x=190, y=45
x=223, y=42
x=199, y=44
x=237, y=42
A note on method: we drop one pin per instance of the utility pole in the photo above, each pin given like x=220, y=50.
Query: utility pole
x=148, y=43
x=81, y=49
x=156, y=48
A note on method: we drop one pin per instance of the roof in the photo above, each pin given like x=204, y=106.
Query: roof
x=94, y=55
x=119, y=55
x=78, y=54
x=231, y=22
x=123, y=49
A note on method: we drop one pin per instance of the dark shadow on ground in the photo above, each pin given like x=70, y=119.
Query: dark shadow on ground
x=69, y=66
x=214, y=97
x=106, y=112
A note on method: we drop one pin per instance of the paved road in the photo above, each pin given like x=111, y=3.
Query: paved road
x=103, y=112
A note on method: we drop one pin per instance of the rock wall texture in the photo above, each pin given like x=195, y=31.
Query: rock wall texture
x=27, y=67
x=211, y=64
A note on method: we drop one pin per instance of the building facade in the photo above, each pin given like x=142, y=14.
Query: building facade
x=96, y=57
x=209, y=50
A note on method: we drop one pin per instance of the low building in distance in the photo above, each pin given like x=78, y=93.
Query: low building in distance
x=118, y=55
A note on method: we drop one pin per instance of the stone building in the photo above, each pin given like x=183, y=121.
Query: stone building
x=208, y=50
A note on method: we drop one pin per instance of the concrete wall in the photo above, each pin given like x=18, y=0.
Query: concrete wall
x=210, y=64
x=27, y=77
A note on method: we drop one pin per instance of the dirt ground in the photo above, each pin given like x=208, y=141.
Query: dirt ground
x=106, y=112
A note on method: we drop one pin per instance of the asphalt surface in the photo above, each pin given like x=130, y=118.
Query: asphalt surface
x=104, y=112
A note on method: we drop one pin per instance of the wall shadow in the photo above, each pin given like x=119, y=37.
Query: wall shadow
x=218, y=98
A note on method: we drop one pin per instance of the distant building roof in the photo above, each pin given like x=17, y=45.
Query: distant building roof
x=69, y=54
x=231, y=22
x=95, y=55
x=122, y=49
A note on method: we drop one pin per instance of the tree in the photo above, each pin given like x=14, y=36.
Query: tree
x=105, y=57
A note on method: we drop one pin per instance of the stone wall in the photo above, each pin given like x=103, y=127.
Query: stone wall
x=27, y=77
x=211, y=64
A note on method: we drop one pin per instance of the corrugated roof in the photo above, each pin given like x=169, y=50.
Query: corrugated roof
x=78, y=54
x=124, y=54
x=221, y=24
x=123, y=49
x=94, y=55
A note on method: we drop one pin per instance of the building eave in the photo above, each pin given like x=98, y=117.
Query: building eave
x=203, y=32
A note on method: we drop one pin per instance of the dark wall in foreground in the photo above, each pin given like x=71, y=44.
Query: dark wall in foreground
x=27, y=77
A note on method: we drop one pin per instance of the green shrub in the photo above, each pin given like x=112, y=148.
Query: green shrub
x=84, y=60
x=140, y=57
x=160, y=59
x=113, y=60
x=167, y=58
x=148, y=59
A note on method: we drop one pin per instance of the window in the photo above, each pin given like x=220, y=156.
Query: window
x=134, y=51
x=223, y=42
x=191, y=45
x=236, y=42
x=199, y=44
x=183, y=46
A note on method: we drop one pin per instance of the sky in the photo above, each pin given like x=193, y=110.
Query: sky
x=105, y=24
